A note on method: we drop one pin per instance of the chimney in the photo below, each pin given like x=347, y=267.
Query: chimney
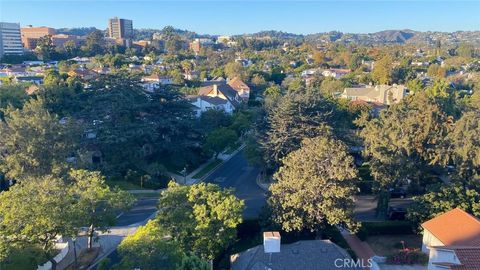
x=215, y=90
x=271, y=242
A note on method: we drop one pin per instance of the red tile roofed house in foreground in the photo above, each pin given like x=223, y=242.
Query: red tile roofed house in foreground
x=452, y=241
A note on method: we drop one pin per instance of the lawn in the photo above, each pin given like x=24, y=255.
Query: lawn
x=24, y=259
x=125, y=185
x=385, y=245
x=212, y=164
x=232, y=148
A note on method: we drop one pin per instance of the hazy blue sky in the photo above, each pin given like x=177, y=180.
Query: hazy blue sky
x=236, y=17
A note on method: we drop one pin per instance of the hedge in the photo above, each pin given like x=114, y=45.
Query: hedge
x=333, y=234
x=385, y=228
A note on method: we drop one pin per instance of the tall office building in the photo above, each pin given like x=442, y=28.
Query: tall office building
x=10, y=39
x=30, y=35
x=120, y=28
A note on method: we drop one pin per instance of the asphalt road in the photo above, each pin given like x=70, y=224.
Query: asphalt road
x=142, y=209
x=366, y=205
x=236, y=173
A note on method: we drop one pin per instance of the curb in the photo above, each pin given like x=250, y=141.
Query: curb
x=257, y=180
x=216, y=167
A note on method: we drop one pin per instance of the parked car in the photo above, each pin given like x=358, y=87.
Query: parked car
x=397, y=193
x=396, y=213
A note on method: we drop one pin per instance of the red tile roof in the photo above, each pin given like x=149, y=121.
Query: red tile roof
x=455, y=228
x=469, y=258
x=238, y=84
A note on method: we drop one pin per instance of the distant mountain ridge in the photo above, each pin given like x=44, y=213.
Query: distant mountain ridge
x=382, y=37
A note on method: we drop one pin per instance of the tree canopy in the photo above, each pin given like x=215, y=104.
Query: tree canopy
x=202, y=218
x=35, y=142
x=315, y=187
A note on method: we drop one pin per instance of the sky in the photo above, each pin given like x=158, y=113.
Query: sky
x=237, y=17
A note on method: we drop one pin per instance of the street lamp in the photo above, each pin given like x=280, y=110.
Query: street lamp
x=184, y=173
x=74, y=240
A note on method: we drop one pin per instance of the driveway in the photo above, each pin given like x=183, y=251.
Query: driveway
x=238, y=174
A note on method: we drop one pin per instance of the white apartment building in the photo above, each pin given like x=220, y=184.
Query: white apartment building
x=10, y=39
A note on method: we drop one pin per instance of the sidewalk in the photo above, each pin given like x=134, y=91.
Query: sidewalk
x=361, y=248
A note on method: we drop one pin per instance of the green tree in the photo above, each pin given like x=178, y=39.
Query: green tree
x=331, y=86
x=45, y=49
x=318, y=57
x=466, y=50
x=53, y=78
x=220, y=139
x=383, y=70
x=96, y=203
x=95, y=43
x=355, y=61
x=315, y=187
x=439, y=89
x=273, y=90
x=37, y=212
x=149, y=248
x=464, y=147
x=213, y=119
x=442, y=198
x=436, y=71
x=295, y=116
x=13, y=95
x=415, y=86
x=193, y=262
x=122, y=117
x=35, y=142
x=403, y=142
x=202, y=218
x=71, y=49
x=235, y=69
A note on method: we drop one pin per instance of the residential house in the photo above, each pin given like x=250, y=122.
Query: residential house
x=384, y=94
x=31, y=79
x=369, y=64
x=191, y=75
x=216, y=95
x=152, y=82
x=14, y=71
x=309, y=72
x=101, y=70
x=83, y=73
x=452, y=241
x=335, y=72
x=199, y=43
x=81, y=60
x=204, y=103
x=420, y=63
x=305, y=255
x=242, y=88
x=244, y=62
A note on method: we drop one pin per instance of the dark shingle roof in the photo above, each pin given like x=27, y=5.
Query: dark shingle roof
x=305, y=255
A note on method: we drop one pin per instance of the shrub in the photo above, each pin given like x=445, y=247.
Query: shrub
x=385, y=228
x=248, y=228
x=408, y=256
x=104, y=264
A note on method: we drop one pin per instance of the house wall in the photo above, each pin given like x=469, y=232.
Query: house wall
x=203, y=106
x=429, y=240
